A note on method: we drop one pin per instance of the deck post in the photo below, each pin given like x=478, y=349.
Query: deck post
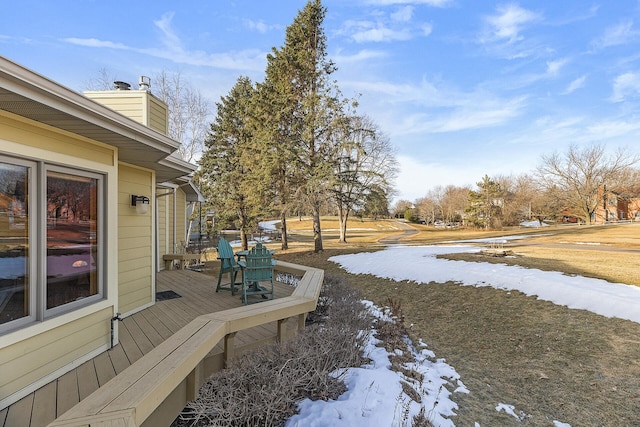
x=282, y=323
x=302, y=318
x=229, y=348
x=194, y=381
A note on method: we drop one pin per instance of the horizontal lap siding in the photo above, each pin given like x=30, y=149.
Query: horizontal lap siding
x=128, y=103
x=135, y=241
x=45, y=353
x=45, y=142
x=158, y=119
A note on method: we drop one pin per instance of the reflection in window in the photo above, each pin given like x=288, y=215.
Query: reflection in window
x=72, y=244
x=14, y=242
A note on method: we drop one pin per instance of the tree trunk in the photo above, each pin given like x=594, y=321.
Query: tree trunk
x=243, y=239
x=343, y=216
x=317, y=233
x=242, y=228
x=283, y=224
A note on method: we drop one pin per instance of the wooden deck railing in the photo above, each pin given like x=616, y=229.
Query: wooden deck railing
x=153, y=390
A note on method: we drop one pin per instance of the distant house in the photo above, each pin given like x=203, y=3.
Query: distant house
x=611, y=206
x=91, y=198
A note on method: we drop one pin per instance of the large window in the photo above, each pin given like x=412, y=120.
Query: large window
x=50, y=240
x=72, y=238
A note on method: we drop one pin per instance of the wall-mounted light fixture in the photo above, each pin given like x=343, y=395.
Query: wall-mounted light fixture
x=141, y=203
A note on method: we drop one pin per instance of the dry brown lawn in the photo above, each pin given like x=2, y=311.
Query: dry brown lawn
x=550, y=362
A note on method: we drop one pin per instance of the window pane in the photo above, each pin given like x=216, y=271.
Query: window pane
x=72, y=245
x=14, y=242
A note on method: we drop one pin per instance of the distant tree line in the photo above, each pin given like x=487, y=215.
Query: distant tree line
x=294, y=144
x=571, y=183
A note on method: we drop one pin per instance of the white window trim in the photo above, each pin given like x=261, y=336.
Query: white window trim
x=37, y=222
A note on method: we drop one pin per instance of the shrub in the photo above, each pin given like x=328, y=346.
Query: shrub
x=262, y=388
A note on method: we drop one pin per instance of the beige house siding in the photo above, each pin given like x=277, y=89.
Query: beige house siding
x=135, y=241
x=35, y=359
x=40, y=351
x=46, y=140
x=139, y=105
x=158, y=116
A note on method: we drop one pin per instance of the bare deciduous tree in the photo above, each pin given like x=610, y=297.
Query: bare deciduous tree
x=188, y=113
x=582, y=173
x=103, y=81
x=454, y=200
x=364, y=160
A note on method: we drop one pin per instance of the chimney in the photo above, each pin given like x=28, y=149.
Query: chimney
x=139, y=105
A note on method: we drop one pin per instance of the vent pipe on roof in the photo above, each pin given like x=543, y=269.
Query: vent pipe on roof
x=118, y=85
x=144, y=83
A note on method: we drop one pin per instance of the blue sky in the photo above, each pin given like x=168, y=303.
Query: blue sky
x=463, y=88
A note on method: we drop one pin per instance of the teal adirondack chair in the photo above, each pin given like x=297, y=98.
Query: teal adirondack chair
x=228, y=265
x=257, y=274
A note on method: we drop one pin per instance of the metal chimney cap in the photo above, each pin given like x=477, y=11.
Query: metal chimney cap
x=118, y=85
x=144, y=83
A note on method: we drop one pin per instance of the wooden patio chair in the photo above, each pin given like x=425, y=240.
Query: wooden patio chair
x=228, y=265
x=257, y=274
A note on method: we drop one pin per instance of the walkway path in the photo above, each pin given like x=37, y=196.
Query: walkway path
x=407, y=231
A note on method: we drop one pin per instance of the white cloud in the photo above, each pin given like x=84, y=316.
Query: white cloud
x=554, y=67
x=259, y=26
x=609, y=129
x=624, y=86
x=173, y=50
x=575, y=85
x=360, y=56
x=380, y=34
x=426, y=107
x=481, y=118
x=508, y=23
x=433, y=3
x=619, y=34
x=91, y=42
x=427, y=29
x=170, y=39
x=404, y=14
x=424, y=93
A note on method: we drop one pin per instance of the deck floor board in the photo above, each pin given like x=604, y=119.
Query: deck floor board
x=138, y=334
x=19, y=414
x=87, y=379
x=44, y=405
x=67, y=392
x=104, y=368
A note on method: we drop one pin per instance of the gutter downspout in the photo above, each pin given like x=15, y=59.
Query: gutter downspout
x=113, y=319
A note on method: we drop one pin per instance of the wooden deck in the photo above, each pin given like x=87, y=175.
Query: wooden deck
x=138, y=335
